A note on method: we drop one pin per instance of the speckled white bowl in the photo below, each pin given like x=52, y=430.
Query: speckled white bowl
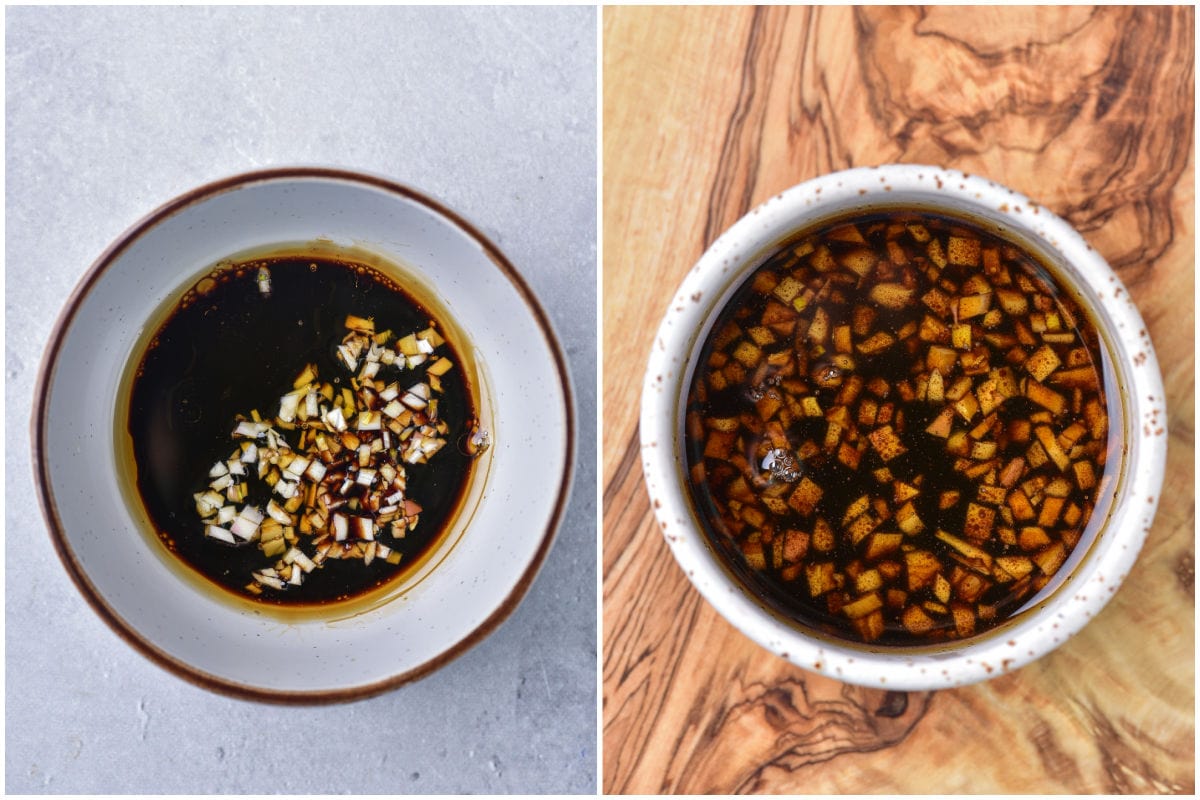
x=1093, y=572
x=464, y=591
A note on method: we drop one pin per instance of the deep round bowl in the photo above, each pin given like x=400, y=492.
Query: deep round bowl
x=481, y=569
x=1096, y=567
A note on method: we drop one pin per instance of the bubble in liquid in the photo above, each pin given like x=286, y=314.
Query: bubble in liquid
x=782, y=465
x=474, y=442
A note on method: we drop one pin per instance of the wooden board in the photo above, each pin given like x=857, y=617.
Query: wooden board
x=709, y=111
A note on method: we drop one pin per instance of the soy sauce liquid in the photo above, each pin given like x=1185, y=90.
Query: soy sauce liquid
x=228, y=349
x=929, y=464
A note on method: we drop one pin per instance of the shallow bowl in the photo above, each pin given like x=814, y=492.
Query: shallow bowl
x=467, y=587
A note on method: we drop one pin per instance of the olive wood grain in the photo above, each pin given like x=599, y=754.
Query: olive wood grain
x=711, y=110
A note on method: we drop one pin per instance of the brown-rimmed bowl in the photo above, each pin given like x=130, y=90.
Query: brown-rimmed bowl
x=482, y=569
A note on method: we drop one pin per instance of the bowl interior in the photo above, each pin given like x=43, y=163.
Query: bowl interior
x=471, y=583
x=1057, y=611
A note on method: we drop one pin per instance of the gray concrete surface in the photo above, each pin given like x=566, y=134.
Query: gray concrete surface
x=113, y=111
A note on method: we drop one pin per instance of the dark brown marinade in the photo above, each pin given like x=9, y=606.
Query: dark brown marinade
x=228, y=348
x=856, y=493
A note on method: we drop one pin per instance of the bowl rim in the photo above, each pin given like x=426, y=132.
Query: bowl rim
x=725, y=265
x=41, y=467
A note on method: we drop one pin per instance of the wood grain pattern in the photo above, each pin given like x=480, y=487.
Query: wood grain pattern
x=709, y=111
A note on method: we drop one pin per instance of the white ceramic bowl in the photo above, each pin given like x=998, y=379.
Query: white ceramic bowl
x=463, y=591
x=1094, y=571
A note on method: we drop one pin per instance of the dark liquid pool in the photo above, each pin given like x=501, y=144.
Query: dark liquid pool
x=230, y=348
x=854, y=492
